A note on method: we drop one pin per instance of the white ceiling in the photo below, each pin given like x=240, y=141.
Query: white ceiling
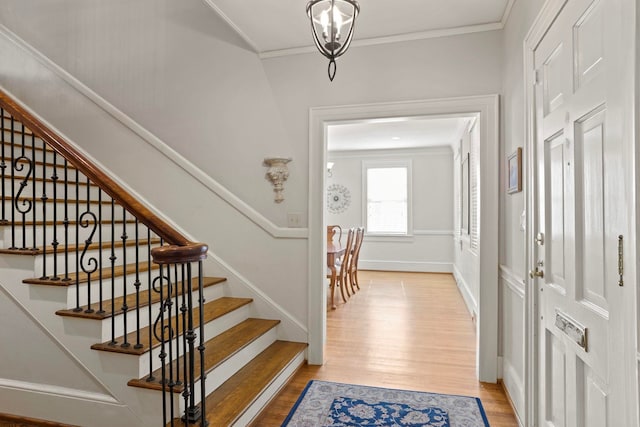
x=387, y=134
x=281, y=26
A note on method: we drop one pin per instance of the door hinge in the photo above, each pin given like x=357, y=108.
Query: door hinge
x=536, y=77
x=620, y=261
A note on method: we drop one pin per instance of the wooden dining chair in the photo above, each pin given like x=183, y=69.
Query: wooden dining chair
x=332, y=230
x=342, y=277
x=353, y=262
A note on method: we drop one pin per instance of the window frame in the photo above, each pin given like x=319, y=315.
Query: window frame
x=386, y=164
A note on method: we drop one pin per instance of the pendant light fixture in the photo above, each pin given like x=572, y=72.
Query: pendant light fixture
x=332, y=27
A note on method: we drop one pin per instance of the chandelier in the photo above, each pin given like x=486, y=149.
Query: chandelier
x=332, y=27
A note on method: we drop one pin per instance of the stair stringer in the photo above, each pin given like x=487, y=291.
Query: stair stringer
x=100, y=400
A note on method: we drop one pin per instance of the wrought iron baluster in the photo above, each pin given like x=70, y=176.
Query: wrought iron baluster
x=55, y=242
x=26, y=206
x=34, y=227
x=125, y=307
x=77, y=308
x=192, y=412
x=113, y=258
x=100, y=304
x=183, y=310
x=13, y=186
x=66, y=221
x=201, y=347
x=88, y=264
x=149, y=289
x=177, y=304
x=137, y=285
x=169, y=303
x=161, y=338
x=44, y=200
x=3, y=167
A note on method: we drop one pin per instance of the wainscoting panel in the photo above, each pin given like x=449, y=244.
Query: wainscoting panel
x=512, y=321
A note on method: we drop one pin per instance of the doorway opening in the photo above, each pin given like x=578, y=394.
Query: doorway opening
x=485, y=108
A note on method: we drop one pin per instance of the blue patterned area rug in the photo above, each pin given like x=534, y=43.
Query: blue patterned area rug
x=327, y=404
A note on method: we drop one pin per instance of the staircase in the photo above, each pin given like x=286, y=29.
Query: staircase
x=162, y=333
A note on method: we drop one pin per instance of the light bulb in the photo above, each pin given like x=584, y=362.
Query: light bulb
x=337, y=21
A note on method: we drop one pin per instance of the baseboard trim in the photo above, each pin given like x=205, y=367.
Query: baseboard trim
x=469, y=301
x=411, y=266
x=30, y=422
x=64, y=392
x=513, y=407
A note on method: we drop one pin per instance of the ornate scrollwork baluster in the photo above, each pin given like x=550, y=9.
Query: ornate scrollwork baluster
x=88, y=264
x=25, y=205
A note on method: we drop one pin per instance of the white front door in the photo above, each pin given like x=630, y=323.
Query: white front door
x=581, y=212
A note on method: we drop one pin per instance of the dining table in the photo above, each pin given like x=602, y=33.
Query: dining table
x=335, y=250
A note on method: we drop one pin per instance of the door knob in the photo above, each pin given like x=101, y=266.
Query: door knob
x=538, y=272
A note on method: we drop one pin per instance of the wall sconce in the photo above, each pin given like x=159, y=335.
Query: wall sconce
x=330, y=169
x=277, y=174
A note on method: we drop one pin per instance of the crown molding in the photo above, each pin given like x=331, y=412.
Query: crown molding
x=233, y=25
x=507, y=13
x=422, y=35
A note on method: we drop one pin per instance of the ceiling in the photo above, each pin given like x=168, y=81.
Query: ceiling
x=384, y=134
x=276, y=27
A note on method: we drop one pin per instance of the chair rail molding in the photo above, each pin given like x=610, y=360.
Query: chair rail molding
x=208, y=182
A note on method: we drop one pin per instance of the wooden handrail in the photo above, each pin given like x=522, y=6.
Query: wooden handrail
x=106, y=184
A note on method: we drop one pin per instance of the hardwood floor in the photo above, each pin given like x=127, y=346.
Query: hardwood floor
x=409, y=331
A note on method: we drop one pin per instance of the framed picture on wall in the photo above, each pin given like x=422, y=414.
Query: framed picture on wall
x=514, y=169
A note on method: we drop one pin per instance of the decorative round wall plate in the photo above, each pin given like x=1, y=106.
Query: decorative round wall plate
x=338, y=198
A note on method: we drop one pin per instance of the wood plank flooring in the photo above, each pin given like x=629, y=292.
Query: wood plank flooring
x=409, y=331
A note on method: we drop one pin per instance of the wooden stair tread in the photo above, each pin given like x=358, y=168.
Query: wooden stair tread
x=72, y=247
x=229, y=401
x=212, y=310
x=130, y=299
x=217, y=350
x=83, y=277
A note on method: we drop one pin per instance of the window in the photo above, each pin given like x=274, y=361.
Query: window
x=387, y=198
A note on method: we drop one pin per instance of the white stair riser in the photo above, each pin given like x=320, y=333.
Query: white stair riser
x=49, y=188
x=46, y=234
x=131, y=315
x=226, y=369
x=67, y=294
x=57, y=211
x=104, y=256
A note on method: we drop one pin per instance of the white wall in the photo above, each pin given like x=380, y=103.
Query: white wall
x=512, y=255
x=429, y=247
x=180, y=71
